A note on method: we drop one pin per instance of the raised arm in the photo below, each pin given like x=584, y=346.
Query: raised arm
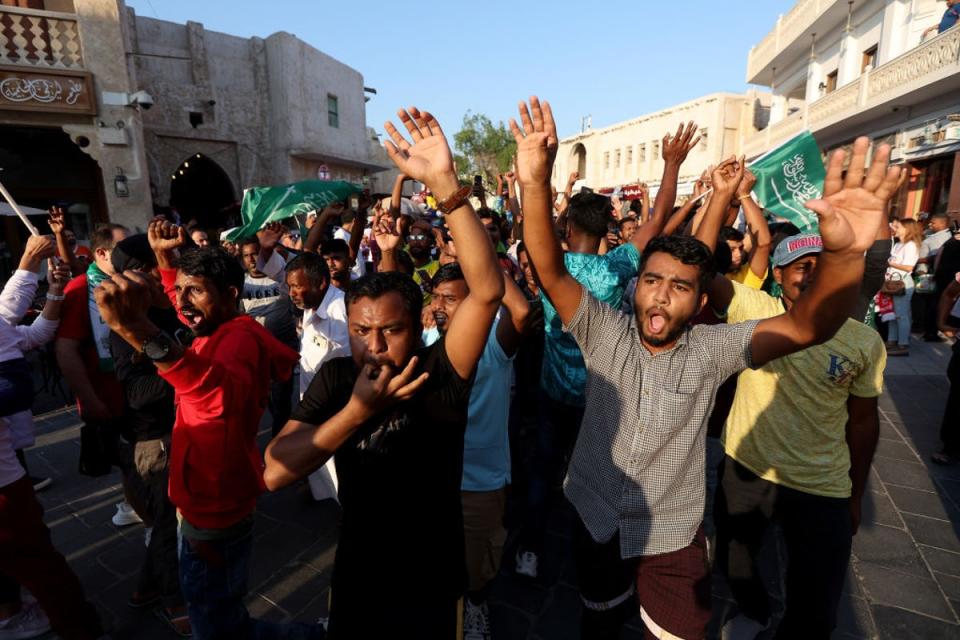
x=675, y=150
x=21, y=287
x=513, y=317
x=63, y=247
x=726, y=178
x=315, y=237
x=430, y=161
x=850, y=211
x=757, y=224
x=536, y=150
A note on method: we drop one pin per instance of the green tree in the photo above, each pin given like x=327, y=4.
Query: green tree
x=482, y=148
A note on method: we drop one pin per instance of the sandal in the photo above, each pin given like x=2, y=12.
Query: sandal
x=177, y=619
x=943, y=458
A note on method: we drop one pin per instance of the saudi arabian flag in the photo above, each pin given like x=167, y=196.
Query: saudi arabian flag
x=788, y=177
x=262, y=205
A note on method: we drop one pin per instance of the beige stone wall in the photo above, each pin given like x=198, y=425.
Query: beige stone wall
x=629, y=152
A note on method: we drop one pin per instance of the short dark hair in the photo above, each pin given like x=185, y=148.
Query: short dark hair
x=521, y=248
x=215, y=264
x=248, y=240
x=636, y=206
x=625, y=220
x=376, y=285
x=102, y=238
x=446, y=273
x=313, y=266
x=940, y=216
x=729, y=233
x=487, y=212
x=687, y=250
x=590, y=213
x=334, y=245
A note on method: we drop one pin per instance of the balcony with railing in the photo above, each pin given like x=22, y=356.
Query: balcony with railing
x=43, y=40
x=930, y=70
x=791, y=29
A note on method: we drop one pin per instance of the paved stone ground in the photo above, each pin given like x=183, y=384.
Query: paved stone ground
x=904, y=579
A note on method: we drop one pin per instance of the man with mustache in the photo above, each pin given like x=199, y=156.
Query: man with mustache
x=395, y=414
x=221, y=384
x=637, y=474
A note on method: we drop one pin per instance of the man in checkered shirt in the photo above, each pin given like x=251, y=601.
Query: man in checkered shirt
x=637, y=473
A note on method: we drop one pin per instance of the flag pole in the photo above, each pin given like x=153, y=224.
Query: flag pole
x=16, y=208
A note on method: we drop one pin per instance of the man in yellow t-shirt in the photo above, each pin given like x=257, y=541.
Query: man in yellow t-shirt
x=799, y=440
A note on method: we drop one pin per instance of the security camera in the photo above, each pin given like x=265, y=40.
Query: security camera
x=141, y=99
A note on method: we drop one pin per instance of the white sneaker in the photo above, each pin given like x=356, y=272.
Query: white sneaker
x=527, y=564
x=29, y=623
x=125, y=515
x=476, y=621
x=741, y=627
x=147, y=535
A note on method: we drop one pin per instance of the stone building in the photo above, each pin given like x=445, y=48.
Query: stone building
x=871, y=67
x=627, y=153
x=113, y=115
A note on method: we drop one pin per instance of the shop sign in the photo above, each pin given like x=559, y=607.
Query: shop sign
x=49, y=91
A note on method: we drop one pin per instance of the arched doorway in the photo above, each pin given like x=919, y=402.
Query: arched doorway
x=200, y=190
x=578, y=159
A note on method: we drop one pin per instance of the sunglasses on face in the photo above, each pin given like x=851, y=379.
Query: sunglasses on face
x=416, y=236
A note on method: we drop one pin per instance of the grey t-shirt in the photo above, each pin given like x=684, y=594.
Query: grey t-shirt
x=265, y=300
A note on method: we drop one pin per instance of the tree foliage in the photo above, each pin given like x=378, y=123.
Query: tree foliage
x=483, y=148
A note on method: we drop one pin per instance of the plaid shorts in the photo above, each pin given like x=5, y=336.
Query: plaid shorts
x=672, y=589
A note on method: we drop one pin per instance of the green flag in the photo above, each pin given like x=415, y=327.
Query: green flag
x=262, y=205
x=788, y=177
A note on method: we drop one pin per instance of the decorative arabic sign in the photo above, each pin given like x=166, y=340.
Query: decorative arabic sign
x=61, y=91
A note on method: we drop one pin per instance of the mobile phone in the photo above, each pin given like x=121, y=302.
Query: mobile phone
x=477, y=185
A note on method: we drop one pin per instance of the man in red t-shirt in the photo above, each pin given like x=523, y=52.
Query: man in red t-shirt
x=83, y=353
x=221, y=384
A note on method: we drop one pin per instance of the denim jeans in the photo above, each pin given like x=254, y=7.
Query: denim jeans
x=213, y=579
x=899, y=329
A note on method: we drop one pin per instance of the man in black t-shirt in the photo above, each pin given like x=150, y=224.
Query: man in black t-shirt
x=395, y=414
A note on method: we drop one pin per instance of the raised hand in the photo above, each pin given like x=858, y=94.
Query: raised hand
x=386, y=231
x=746, y=185
x=58, y=275
x=852, y=207
x=270, y=236
x=37, y=249
x=378, y=388
x=56, y=220
x=165, y=236
x=574, y=176
x=428, y=159
x=675, y=148
x=536, y=144
x=125, y=298
x=727, y=176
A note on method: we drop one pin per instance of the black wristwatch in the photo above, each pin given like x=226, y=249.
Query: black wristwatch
x=158, y=347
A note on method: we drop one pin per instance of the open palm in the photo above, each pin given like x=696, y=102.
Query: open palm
x=536, y=143
x=428, y=159
x=853, y=206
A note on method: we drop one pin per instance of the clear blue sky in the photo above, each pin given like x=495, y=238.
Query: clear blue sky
x=614, y=59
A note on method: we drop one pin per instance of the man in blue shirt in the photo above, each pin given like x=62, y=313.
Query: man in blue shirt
x=950, y=16
x=486, y=444
x=564, y=374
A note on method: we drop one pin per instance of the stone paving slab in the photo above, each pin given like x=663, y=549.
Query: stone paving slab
x=904, y=579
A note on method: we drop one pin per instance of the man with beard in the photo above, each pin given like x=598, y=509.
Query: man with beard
x=395, y=414
x=563, y=375
x=420, y=247
x=486, y=451
x=336, y=254
x=637, y=474
x=221, y=384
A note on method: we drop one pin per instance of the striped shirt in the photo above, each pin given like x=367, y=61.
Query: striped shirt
x=638, y=465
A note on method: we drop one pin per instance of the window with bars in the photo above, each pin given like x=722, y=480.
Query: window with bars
x=642, y=152
x=606, y=159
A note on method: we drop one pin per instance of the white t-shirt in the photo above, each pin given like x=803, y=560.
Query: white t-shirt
x=905, y=254
x=359, y=268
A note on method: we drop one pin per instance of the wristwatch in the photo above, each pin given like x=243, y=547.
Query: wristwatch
x=158, y=347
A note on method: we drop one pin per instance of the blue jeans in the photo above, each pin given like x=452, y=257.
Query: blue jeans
x=899, y=329
x=213, y=579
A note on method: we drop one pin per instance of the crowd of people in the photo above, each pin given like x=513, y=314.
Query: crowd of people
x=694, y=374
